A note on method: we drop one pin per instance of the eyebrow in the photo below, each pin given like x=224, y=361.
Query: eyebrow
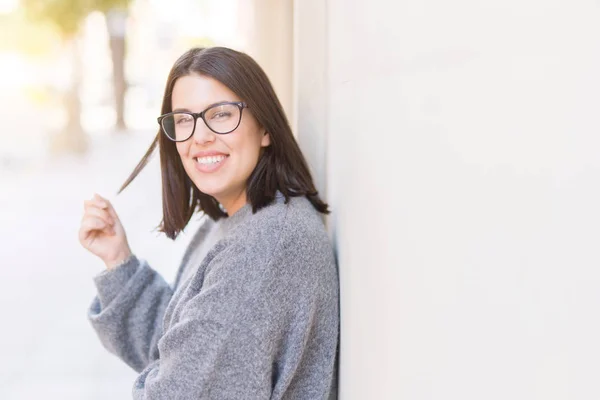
x=207, y=107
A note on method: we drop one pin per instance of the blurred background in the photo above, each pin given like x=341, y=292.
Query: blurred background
x=81, y=87
x=457, y=142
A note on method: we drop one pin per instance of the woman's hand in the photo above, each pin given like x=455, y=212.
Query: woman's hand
x=101, y=232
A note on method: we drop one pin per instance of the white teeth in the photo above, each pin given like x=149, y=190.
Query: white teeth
x=210, y=159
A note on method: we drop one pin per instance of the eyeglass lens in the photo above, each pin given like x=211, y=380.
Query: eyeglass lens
x=222, y=119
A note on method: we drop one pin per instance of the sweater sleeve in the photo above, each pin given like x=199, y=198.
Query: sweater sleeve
x=220, y=346
x=128, y=310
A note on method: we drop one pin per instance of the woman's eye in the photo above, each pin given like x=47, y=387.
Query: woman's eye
x=221, y=115
x=183, y=120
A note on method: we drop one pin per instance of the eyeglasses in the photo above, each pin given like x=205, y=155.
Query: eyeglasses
x=221, y=118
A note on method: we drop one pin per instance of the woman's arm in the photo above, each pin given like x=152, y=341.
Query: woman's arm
x=128, y=311
x=219, y=346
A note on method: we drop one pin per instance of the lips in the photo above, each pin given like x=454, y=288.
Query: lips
x=209, y=161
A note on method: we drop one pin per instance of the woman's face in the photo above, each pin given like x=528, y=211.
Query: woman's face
x=219, y=165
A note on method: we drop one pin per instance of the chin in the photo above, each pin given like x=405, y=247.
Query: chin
x=211, y=191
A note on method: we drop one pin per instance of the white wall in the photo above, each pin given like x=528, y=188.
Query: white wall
x=463, y=166
x=311, y=85
x=265, y=32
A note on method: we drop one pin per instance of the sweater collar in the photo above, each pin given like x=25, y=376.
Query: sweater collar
x=244, y=212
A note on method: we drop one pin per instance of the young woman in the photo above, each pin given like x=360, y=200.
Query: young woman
x=253, y=312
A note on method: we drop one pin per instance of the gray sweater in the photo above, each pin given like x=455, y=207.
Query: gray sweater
x=257, y=319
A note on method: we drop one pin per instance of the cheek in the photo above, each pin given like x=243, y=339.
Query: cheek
x=182, y=152
x=182, y=149
x=248, y=148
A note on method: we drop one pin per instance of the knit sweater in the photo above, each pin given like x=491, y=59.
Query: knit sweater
x=257, y=319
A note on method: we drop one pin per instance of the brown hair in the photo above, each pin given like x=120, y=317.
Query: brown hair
x=281, y=167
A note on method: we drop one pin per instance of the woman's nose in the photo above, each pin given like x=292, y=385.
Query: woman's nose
x=202, y=134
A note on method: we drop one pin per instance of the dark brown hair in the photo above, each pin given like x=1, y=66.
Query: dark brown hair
x=281, y=166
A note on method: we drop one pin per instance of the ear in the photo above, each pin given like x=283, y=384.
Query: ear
x=266, y=140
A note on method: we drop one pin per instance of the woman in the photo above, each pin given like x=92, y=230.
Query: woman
x=253, y=312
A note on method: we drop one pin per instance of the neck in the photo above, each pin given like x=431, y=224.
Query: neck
x=234, y=203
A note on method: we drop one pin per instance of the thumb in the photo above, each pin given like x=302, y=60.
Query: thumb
x=107, y=206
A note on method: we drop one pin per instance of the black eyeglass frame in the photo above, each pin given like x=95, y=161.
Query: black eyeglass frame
x=241, y=105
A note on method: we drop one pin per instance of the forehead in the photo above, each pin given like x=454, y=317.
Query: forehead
x=196, y=92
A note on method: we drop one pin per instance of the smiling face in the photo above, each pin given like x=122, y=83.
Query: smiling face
x=219, y=165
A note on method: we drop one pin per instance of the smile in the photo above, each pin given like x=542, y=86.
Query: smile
x=210, y=163
x=209, y=160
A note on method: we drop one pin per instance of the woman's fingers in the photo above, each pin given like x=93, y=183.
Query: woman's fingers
x=101, y=231
x=92, y=223
x=99, y=203
x=103, y=203
x=103, y=214
x=96, y=202
x=100, y=199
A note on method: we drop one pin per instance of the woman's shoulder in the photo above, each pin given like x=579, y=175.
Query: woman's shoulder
x=280, y=228
x=286, y=239
x=292, y=218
